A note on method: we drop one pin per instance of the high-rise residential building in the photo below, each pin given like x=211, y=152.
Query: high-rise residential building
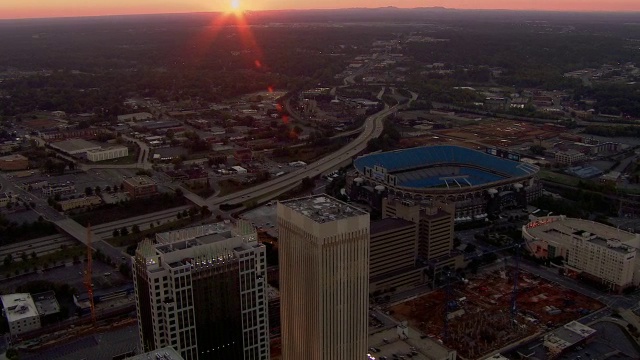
x=435, y=229
x=324, y=279
x=202, y=291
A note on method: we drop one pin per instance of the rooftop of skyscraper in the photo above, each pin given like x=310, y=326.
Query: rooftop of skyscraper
x=322, y=208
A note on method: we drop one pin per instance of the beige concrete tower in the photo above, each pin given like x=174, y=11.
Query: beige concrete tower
x=324, y=279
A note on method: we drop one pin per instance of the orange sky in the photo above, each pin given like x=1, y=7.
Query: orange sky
x=54, y=8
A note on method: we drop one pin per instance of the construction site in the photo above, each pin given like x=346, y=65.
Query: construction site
x=490, y=132
x=474, y=316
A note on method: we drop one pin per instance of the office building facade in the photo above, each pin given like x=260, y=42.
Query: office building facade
x=324, y=279
x=435, y=224
x=202, y=291
x=393, y=255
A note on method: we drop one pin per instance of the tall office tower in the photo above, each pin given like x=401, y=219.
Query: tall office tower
x=202, y=291
x=324, y=279
x=436, y=220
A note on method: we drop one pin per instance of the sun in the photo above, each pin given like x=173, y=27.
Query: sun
x=235, y=6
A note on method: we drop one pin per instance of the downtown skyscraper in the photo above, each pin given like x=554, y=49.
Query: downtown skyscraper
x=202, y=291
x=324, y=279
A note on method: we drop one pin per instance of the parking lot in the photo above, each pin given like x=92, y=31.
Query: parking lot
x=72, y=275
x=264, y=217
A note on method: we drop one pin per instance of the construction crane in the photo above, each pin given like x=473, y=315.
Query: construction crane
x=88, y=281
x=514, y=294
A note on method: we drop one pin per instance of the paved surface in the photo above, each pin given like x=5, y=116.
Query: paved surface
x=72, y=275
x=103, y=346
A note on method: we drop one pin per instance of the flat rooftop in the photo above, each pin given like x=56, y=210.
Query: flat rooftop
x=323, y=208
x=115, y=147
x=390, y=343
x=140, y=180
x=75, y=145
x=18, y=306
x=561, y=229
x=165, y=353
x=13, y=157
x=46, y=303
x=199, y=235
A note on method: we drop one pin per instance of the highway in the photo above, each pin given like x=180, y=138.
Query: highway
x=49, y=244
x=372, y=128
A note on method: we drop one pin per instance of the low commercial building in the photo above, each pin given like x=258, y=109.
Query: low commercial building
x=21, y=313
x=14, y=162
x=79, y=202
x=567, y=337
x=5, y=199
x=141, y=116
x=569, y=157
x=596, y=251
x=109, y=153
x=62, y=189
x=74, y=146
x=140, y=186
x=405, y=340
x=34, y=185
x=239, y=169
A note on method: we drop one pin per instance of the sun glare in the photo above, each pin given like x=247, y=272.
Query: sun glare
x=235, y=5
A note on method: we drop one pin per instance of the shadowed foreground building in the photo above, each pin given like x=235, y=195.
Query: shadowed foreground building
x=324, y=279
x=202, y=291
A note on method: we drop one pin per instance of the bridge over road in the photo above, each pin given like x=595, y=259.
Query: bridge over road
x=79, y=233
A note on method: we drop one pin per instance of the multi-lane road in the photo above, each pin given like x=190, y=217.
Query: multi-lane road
x=372, y=128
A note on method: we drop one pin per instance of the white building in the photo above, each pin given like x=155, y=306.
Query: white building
x=597, y=251
x=21, y=313
x=567, y=337
x=62, y=189
x=202, y=291
x=569, y=157
x=79, y=202
x=324, y=279
x=109, y=153
x=239, y=169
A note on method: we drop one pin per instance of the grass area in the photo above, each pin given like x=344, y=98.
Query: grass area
x=204, y=191
x=229, y=186
x=558, y=178
x=309, y=153
x=132, y=239
x=64, y=254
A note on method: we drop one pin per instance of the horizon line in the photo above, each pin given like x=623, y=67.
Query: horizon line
x=332, y=9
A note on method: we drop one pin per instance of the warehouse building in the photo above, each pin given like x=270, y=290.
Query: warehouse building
x=74, y=147
x=109, y=153
x=14, y=162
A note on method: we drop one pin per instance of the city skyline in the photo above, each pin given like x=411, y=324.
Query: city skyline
x=18, y=9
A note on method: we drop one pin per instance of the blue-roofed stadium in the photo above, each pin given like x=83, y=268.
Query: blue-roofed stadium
x=465, y=176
